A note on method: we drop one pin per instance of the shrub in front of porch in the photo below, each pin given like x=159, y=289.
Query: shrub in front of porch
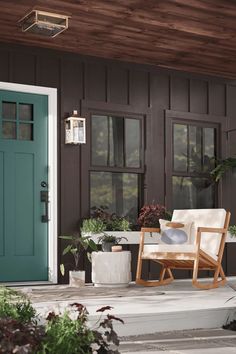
x=62, y=334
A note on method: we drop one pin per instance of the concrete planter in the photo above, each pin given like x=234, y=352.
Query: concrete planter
x=77, y=278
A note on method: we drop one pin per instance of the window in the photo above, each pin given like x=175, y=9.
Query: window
x=116, y=163
x=17, y=121
x=194, y=152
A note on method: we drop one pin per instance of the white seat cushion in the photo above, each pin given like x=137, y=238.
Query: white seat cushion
x=210, y=242
x=184, y=248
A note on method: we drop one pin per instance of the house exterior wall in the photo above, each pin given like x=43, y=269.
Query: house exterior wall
x=147, y=89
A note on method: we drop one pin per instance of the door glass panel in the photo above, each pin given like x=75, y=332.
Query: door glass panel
x=132, y=142
x=9, y=110
x=116, y=191
x=192, y=193
x=9, y=130
x=25, y=111
x=180, y=147
x=25, y=131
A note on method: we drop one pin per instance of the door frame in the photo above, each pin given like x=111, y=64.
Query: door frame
x=51, y=93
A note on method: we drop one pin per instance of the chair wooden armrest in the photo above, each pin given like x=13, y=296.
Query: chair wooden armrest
x=212, y=229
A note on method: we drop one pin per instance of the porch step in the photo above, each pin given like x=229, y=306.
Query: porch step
x=177, y=306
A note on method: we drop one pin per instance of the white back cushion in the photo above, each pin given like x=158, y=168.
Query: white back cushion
x=210, y=242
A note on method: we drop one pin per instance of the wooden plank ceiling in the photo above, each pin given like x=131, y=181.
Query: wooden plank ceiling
x=190, y=35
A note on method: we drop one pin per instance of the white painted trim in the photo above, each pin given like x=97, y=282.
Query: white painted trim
x=52, y=163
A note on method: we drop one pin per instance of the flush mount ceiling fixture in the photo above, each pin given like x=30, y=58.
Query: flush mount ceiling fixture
x=44, y=23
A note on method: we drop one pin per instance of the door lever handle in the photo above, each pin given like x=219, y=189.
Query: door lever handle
x=44, y=199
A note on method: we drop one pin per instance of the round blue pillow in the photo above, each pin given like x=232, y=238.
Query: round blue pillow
x=174, y=236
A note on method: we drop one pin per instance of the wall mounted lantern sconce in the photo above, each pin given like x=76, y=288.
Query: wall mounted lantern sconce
x=75, y=130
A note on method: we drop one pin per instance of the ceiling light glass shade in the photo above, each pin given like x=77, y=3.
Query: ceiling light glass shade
x=44, y=23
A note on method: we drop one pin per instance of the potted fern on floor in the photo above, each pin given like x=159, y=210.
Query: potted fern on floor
x=77, y=244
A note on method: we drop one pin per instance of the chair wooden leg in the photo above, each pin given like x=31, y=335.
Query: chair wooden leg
x=214, y=284
x=162, y=280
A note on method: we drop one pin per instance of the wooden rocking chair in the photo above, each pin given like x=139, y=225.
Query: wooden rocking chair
x=204, y=251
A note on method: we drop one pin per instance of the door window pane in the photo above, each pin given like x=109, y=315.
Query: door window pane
x=116, y=191
x=26, y=131
x=9, y=130
x=180, y=147
x=25, y=111
x=132, y=142
x=9, y=110
x=192, y=193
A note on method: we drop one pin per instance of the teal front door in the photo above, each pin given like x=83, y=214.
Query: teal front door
x=23, y=187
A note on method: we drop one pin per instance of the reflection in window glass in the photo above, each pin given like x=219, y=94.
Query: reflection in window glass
x=9, y=110
x=132, y=142
x=180, y=147
x=209, y=149
x=25, y=131
x=117, y=191
x=25, y=111
x=102, y=154
x=115, y=141
x=9, y=130
x=195, y=148
x=192, y=193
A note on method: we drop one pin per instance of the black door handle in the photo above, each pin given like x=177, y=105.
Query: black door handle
x=44, y=199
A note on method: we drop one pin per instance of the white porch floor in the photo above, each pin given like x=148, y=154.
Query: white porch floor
x=177, y=306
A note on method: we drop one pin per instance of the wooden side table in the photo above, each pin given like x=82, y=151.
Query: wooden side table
x=111, y=269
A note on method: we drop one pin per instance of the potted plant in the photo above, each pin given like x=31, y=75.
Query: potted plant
x=223, y=166
x=77, y=244
x=232, y=230
x=111, y=221
x=151, y=213
x=108, y=241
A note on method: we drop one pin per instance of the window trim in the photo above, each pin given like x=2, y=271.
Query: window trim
x=94, y=107
x=196, y=119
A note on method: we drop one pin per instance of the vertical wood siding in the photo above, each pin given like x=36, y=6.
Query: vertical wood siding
x=145, y=88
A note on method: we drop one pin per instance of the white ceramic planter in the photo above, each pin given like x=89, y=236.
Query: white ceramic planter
x=132, y=236
x=77, y=278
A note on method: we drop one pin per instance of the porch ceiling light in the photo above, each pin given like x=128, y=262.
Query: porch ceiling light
x=44, y=23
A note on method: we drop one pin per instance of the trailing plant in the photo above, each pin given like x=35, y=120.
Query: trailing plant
x=232, y=230
x=150, y=214
x=93, y=225
x=77, y=244
x=111, y=221
x=16, y=305
x=223, y=166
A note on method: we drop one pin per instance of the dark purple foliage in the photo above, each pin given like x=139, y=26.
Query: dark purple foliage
x=150, y=214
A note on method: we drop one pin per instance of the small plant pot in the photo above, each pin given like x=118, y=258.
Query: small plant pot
x=107, y=246
x=77, y=278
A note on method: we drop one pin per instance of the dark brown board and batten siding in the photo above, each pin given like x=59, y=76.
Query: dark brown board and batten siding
x=144, y=88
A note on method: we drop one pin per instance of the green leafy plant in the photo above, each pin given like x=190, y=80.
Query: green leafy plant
x=63, y=333
x=105, y=238
x=223, y=166
x=77, y=244
x=150, y=214
x=93, y=225
x=232, y=230
x=16, y=305
x=111, y=221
